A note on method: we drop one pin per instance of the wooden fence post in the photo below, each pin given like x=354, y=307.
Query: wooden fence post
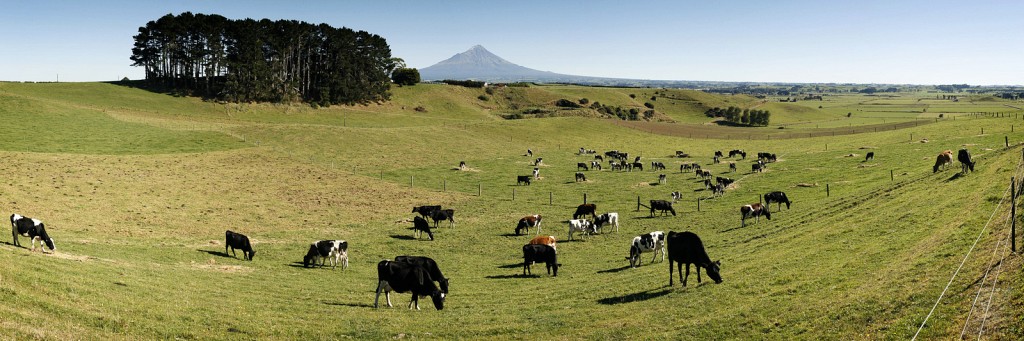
x=444, y=186
x=551, y=198
x=513, y=194
x=698, y=204
x=1013, y=215
x=827, y=192
x=584, y=198
x=891, y=177
x=638, y=203
x=479, y=189
x=412, y=181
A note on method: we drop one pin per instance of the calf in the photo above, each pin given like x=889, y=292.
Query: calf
x=648, y=242
x=581, y=165
x=335, y=250
x=686, y=248
x=545, y=240
x=426, y=210
x=580, y=177
x=585, y=209
x=527, y=222
x=32, y=228
x=406, y=277
x=755, y=210
x=238, y=241
x=440, y=215
x=420, y=225
x=520, y=179
x=776, y=197
x=663, y=206
x=585, y=227
x=610, y=218
x=533, y=253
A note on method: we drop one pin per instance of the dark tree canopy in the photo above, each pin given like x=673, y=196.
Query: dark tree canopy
x=264, y=60
x=406, y=76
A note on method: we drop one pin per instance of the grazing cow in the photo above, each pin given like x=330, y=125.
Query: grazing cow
x=732, y=167
x=763, y=155
x=707, y=184
x=238, y=241
x=335, y=250
x=534, y=253
x=966, y=163
x=724, y=181
x=614, y=165
x=33, y=229
x=636, y=160
x=718, y=153
x=944, y=159
x=662, y=179
x=705, y=174
x=538, y=161
x=638, y=166
x=581, y=165
x=627, y=166
x=440, y=215
x=610, y=218
x=420, y=225
x=536, y=173
x=545, y=240
x=684, y=167
x=735, y=152
x=432, y=269
x=529, y=152
x=648, y=242
x=462, y=165
x=585, y=209
x=869, y=156
x=776, y=197
x=585, y=227
x=755, y=210
x=757, y=167
x=687, y=248
x=663, y=206
x=598, y=157
x=521, y=179
x=407, y=277
x=676, y=196
x=718, y=190
x=716, y=160
x=658, y=165
x=426, y=210
x=680, y=153
x=580, y=177
x=527, y=222
x=595, y=165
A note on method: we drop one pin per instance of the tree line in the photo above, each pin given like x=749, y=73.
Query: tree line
x=263, y=60
x=741, y=116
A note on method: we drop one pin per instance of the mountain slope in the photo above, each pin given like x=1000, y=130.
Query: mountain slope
x=479, y=64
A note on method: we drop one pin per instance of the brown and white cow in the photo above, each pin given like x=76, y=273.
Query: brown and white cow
x=944, y=159
x=755, y=210
x=527, y=222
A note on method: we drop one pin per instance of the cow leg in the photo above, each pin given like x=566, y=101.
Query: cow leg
x=415, y=301
x=376, y=299
x=688, y=274
x=14, y=234
x=669, y=272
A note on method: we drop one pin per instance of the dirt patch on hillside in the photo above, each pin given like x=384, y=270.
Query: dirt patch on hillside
x=211, y=265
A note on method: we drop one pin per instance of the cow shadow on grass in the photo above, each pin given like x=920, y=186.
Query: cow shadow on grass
x=511, y=276
x=623, y=268
x=217, y=253
x=403, y=237
x=634, y=297
x=954, y=177
x=346, y=304
x=511, y=266
x=511, y=235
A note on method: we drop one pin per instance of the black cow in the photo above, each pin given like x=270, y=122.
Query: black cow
x=581, y=165
x=638, y=165
x=718, y=153
x=757, y=167
x=522, y=179
x=420, y=225
x=430, y=265
x=870, y=156
x=426, y=210
x=407, y=277
x=732, y=167
x=536, y=253
x=735, y=152
x=238, y=241
x=966, y=163
x=585, y=209
x=580, y=177
x=336, y=250
x=776, y=197
x=441, y=215
x=32, y=228
x=662, y=205
x=686, y=248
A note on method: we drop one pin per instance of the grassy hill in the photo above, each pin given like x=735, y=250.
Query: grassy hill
x=137, y=189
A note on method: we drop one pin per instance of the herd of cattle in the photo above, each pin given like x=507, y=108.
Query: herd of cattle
x=418, y=274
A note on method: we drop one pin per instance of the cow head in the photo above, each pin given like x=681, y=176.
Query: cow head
x=444, y=285
x=49, y=244
x=634, y=256
x=713, y=269
x=251, y=254
x=767, y=213
x=438, y=297
x=522, y=225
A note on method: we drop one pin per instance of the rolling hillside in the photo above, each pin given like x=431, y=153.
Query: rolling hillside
x=137, y=189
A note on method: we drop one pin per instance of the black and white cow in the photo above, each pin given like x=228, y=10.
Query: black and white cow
x=538, y=161
x=536, y=173
x=582, y=165
x=238, y=241
x=406, y=277
x=610, y=218
x=869, y=156
x=648, y=242
x=757, y=167
x=585, y=227
x=581, y=177
x=522, y=179
x=755, y=210
x=638, y=165
x=595, y=165
x=776, y=197
x=676, y=196
x=966, y=163
x=441, y=215
x=657, y=165
x=426, y=210
x=662, y=179
x=537, y=253
x=320, y=251
x=32, y=228
x=732, y=167
x=662, y=206
x=420, y=225
x=687, y=248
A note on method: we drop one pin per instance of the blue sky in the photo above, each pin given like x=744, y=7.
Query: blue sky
x=921, y=42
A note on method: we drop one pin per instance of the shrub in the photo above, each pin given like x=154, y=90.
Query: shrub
x=632, y=95
x=483, y=97
x=420, y=109
x=566, y=103
x=406, y=76
x=584, y=101
x=649, y=105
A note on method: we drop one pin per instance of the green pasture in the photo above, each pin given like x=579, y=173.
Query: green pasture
x=863, y=253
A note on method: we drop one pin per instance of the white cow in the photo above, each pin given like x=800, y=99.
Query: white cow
x=582, y=225
x=649, y=242
x=610, y=218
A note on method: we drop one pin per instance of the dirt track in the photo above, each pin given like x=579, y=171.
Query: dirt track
x=707, y=131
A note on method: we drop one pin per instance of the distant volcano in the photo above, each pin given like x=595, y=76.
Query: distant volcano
x=479, y=64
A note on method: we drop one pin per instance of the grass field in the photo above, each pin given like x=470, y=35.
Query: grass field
x=138, y=188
